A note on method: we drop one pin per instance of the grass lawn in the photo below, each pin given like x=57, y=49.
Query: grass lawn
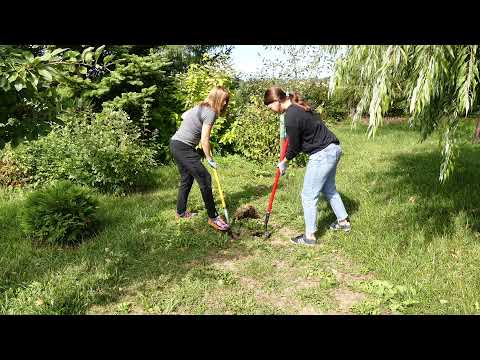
x=414, y=245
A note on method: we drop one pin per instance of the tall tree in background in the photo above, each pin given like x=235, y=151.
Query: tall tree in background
x=293, y=62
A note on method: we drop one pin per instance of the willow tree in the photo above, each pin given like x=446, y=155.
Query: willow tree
x=440, y=84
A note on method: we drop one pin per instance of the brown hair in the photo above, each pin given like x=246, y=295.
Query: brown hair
x=275, y=93
x=215, y=99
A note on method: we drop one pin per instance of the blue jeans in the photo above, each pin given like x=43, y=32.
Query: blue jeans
x=320, y=178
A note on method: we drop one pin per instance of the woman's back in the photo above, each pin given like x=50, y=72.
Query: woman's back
x=306, y=132
x=190, y=129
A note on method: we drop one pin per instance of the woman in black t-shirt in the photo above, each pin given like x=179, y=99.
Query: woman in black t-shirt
x=307, y=133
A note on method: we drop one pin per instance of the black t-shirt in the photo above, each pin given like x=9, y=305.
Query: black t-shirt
x=306, y=132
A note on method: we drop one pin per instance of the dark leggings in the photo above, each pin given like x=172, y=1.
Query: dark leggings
x=190, y=167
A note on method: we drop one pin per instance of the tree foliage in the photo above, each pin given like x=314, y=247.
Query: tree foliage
x=99, y=150
x=194, y=86
x=439, y=83
x=29, y=79
x=293, y=62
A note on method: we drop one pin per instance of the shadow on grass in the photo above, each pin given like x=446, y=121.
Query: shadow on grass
x=196, y=246
x=414, y=179
x=139, y=243
x=163, y=249
x=247, y=194
x=325, y=218
x=162, y=178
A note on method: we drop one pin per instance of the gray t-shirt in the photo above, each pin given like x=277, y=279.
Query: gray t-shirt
x=190, y=130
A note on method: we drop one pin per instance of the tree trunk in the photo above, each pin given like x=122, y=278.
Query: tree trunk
x=476, y=136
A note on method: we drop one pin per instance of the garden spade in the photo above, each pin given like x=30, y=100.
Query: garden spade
x=274, y=189
x=217, y=180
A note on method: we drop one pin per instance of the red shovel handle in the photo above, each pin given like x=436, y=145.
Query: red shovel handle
x=277, y=176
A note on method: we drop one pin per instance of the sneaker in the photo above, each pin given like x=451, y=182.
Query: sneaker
x=218, y=223
x=302, y=240
x=186, y=215
x=337, y=226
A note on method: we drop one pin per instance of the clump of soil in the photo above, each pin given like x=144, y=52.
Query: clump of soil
x=247, y=211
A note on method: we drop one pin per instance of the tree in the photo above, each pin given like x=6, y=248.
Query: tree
x=440, y=85
x=293, y=62
x=194, y=85
x=184, y=55
x=29, y=79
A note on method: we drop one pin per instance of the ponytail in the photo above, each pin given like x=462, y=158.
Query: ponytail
x=276, y=93
x=297, y=99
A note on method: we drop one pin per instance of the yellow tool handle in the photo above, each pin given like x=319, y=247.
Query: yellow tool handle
x=219, y=188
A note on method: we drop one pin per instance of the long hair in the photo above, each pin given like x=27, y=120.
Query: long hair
x=215, y=99
x=276, y=93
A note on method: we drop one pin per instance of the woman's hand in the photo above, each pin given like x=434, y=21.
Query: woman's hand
x=283, y=165
x=212, y=163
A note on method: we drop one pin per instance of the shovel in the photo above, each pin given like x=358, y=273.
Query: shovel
x=217, y=180
x=267, y=234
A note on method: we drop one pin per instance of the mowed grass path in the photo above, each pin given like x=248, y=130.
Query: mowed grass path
x=414, y=246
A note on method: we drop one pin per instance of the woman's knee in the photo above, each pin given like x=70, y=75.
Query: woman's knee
x=205, y=179
x=308, y=198
x=186, y=182
x=330, y=194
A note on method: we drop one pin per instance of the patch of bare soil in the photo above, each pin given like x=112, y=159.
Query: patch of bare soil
x=341, y=267
x=346, y=299
x=284, y=300
x=234, y=258
x=281, y=237
x=228, y=259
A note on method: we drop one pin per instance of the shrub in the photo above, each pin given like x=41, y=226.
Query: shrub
x=249, y=112
x=11, y=172
x=255, y=133
x=63, y=214
x=193, y=87
x=140, y=81
x=98, y=150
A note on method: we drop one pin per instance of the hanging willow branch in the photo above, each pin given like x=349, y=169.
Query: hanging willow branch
x=439, y=82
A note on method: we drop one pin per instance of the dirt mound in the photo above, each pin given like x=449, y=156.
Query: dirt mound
x=247, y=211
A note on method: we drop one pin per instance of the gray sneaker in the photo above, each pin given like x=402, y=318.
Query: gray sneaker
x=302, y=240
x=337, y=226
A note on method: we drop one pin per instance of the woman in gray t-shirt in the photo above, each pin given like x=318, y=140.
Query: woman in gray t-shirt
x=195, y=128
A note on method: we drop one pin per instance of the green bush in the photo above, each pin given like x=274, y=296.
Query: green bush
x=193, y=87
x=334, y=110
x=103, y=151
x=62, y=214
x=314, y=91
x=255, y=133
x=141, y=82
x=11, y=172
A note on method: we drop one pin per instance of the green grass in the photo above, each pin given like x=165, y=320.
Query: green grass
x=417, y=240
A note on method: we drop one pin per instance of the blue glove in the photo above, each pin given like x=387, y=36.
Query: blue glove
x=212, y=163
x=283, y=165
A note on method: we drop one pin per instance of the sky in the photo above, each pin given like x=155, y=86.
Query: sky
x=247, y=58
